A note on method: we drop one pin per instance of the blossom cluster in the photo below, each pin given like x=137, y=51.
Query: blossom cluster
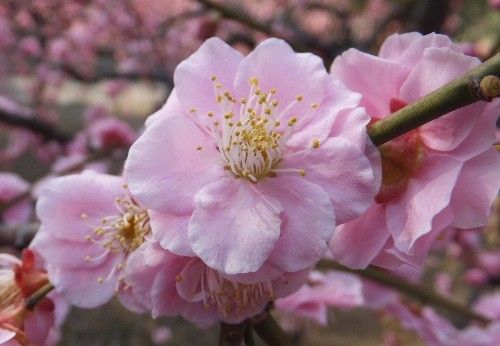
x=257, y=167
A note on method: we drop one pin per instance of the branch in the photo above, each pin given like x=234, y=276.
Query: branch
x=36, y=125
x=301, y=45
x=232, y=334
x=458, y=93
x=422, y=294
x=36, y=297
x=269, y=331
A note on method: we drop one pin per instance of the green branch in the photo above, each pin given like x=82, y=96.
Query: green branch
x=481, y=83
x=422, y=294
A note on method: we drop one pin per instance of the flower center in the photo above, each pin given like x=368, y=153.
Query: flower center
x=230, y=298
x=121, y=233
x=252, y=139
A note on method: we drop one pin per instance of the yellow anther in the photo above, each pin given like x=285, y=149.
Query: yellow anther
x=277, y=123
x=302, y=172
x=178, y=278
x=315, y=105
x=316, y=143
x=213, y=78
x=192, y=110
x=199, y=147
x=125, y=186
x=210, y=114
x=228, y=115
x=274, y=91
x=299, y=98
x=100, y=280
x=292, y=121
x=218, y=85
x=243, y=101
x=219, y=98
x=275, y=103
x=216, y=123
x=254, y=81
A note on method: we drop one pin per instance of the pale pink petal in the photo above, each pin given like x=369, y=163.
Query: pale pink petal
x=450, y=130
x=476, y=189
x=234, y=226
x=6, y=335
x=81, y=287
x=192, y=78
x=171, y=231
x=343, y=171
x=63, y=200
x=367, y=234
x=37, y=325
x=167, y=178
x=308, y=222
x=329, y=119
x=274, y=63
x=409, y=48
x=171, y=107
x=396, y=44
x=188, y=286
x=429, y=191
x=363, y=73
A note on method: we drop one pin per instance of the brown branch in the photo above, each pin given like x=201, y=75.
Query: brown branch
x=232, y=334
x=269, y=331
x=33, y=124
x=420, y=293
x=36, y=297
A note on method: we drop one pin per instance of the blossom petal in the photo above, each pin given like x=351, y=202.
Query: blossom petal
x=171, y=230
x=171, y=107
x=308, y=222
x=367, y=234
x=192, y=77
x=274, y=63
x=429, y=191
x=450, y=130
x=476, y=189
x=343, y=171
x=63, y=200
x=165, y=170
x=234, y=227
x=363, y=72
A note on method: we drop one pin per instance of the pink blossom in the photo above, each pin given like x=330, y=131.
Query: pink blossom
x=89, y=227
x=110, y=133
x=333, y=289
x=173, y=285
x=443, y=174
x=252, y=159
x=19, y=326
x=489, y=261
x=12, y=186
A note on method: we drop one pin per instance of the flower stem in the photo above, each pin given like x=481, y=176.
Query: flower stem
x=36, y=297
x=460, y=92
x=420, y=293
x=269, y=331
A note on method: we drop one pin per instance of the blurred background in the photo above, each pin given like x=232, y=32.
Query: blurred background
x=79, y=77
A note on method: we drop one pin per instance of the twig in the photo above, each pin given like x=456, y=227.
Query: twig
x=232, y=334
x=269, y=331
x=36, y=297
x=422, y=294
x=34, y=124
x=458, y=93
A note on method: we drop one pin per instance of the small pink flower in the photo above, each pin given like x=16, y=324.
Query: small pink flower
x=171, y=285
x=89, y=227
x=444, y=173
x=110, y=133
x=12, y=186
x=333, y=289
x=19, y=279
x=252, y=159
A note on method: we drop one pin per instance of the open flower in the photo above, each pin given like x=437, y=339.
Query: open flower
x=19, y=279
x=252, y=159
x=444, y=173
x=170, y=285
x=89, y=227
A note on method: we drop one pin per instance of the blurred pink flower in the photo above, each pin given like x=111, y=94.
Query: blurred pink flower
x=323, y=290
x=489, y=261
x=110, y=133
x=19, y=279
x=444, y=173
x=89, y=227
x=171, y=285
x=12, y=186
x=252, y=159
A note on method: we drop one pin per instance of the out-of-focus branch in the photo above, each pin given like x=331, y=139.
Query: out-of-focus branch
x=422, y=294
x=232, y=334
x=18, y=236
x=428, y=16
x=299, y=44
x=269, y=331
x=34, y=124
x=458, y=93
